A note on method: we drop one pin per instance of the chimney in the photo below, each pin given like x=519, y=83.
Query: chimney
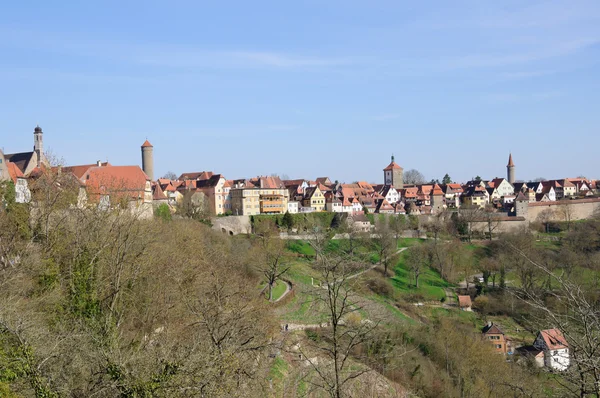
x=489, y=324
x=99, y=163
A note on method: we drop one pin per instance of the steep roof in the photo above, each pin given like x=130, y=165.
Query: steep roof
x=157, y=193
x=324, y=180
x=521, y=197
x=21, y=160
x=491, y=328
x=209, y=183
x=437, y=190
x=554, y=339
x=510, y=161
x=14, y=171
x=146, y=144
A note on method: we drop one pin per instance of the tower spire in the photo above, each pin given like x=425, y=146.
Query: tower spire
x=510, y=170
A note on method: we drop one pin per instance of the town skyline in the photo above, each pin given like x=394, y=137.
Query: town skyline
x=372, y=170
x=255, y=89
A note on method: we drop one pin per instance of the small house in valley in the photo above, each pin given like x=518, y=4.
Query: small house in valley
x=496, y=337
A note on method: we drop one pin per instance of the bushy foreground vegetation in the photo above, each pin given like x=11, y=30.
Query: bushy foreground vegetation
x=100, y=303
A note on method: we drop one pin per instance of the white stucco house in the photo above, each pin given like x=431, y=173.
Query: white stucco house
x=555, y=348
x=292, y=207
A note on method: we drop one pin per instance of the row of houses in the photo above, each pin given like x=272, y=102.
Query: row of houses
x=272, y=195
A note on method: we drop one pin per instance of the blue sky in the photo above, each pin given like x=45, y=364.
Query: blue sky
x=307, y=88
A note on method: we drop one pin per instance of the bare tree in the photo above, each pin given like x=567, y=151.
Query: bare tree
x=334, y=366
x=169, y=175
x=194, y=205
x=468, y=215
x=386, y=245
x=492, y=220
x=570, y=308
x=413, y=176
x=270, y=254
x=417, y=259
x=545, y=217
x=566, y=212
x=398, y=224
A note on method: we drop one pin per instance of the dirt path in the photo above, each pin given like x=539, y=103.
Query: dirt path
x=288, y=288
x=373, y=266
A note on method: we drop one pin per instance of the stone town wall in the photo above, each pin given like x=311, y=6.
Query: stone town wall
x=578, y=208
x=232, y=225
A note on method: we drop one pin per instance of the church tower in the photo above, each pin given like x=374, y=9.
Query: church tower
x=148, y=159
x=510, y=170
x=392, y=175
x=38, y=144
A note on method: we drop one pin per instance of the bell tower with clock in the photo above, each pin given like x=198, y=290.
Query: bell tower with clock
x=392, y=175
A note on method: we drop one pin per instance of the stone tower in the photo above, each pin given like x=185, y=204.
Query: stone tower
x=148, y=159
x=38, y=144
x=510, y=170
x=392, y=175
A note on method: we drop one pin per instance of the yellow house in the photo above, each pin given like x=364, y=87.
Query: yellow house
x=313, y=197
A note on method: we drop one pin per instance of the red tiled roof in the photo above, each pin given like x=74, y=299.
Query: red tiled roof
x=79, y=170
x=392, y=166
x=14, y=171
x=198, y=175
x=437, y=190
x=510, y=161
x=146, y=144
x=464, y=301
x=158, y=193
x=554, y=339
x=126, y=180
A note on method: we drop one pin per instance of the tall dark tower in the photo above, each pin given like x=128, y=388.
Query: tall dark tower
x=393, y=175
x=148, y=159
x=510, y=170
x=38, y=144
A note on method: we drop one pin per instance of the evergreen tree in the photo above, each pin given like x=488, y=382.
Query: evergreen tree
x=446, y=179
x=287, y=221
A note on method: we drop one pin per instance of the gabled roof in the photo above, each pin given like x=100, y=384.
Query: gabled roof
x=21, y=160
x=198, y=175
x=310, y=191
x=157, y=193
x=212, y=182
x=491, y=328
x=79, y=170
x=521, y=197
x=324, y=180
x=14, y=171
x=554, y=339
x=437, y=190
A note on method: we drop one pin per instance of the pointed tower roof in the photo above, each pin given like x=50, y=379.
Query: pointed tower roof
x=510, y=161
x=146, y=144
x=393, y=165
